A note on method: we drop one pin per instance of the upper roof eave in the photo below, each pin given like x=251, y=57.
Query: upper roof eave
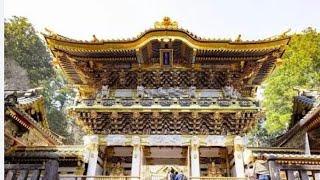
x=61, y=42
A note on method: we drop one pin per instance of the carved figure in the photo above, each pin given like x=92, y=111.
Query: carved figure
x=140, y=91
x=165, y=93
x=105, y=91
x=77, y=99
x=214, y=171
x=230, y=92
x=162, y=92
x=118, y=170
x=151, y=92
x=192, y=91
x=175, y=92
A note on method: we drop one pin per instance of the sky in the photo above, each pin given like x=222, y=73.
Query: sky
x=253, y=19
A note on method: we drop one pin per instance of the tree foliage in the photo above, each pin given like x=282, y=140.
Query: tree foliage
x=57, y=97
x=300, y=69
x=259, y=136
x=24, y=46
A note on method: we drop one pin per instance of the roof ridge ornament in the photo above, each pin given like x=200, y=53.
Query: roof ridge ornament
x=50, y=32
x=285, y=34
x=282, y=35
x=238, y=38
x=166, y=23
x=94, y=39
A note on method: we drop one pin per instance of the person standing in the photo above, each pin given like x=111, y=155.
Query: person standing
x=171, y=174
x=180, y=176
x=261, y=170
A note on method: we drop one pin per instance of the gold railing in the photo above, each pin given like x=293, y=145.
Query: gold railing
x=82, y=177
x=216, y=178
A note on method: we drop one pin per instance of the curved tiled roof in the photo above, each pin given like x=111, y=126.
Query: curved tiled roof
x=298, y=127
x=17, y=111
x=67, y=44
x=62, y=152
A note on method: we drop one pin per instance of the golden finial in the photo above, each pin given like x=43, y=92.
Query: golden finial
x=94, y=38
x=238, y=38
x=284, y=34
x=166, y=23
x=50, y=32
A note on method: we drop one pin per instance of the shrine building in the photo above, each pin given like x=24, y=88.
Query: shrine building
x=166, y=99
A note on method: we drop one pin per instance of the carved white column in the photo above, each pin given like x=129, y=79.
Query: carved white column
x=136, y=157
x=238, y=157
x=10, y=175
x=195, y=162
x=91, y=143
x=290, y=175
x=317, y=176
x=306, y=145
x=304, y=174
x=273, y=169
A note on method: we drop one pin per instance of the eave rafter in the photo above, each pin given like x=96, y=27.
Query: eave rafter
x=67, y=65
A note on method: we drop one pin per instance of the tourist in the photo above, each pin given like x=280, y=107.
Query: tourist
x=172, y=174
x=180, y=176
x=261, y=169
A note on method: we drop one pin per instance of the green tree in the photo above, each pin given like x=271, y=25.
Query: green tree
x=300, y=69
x=57, y=97
x=23, y=45
x=259, y=136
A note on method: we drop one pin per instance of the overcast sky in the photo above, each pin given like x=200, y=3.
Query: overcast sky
x=254, y=19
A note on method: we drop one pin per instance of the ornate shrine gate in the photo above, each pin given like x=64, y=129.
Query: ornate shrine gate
x=165, y=99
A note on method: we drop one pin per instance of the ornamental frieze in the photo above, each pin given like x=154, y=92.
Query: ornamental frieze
x=216, y=140
x=167, y=140
x=168, y=123
x=116, y=140
x=159, y=140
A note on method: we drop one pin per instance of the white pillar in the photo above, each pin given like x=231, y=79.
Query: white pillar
x=136, y=157
x=238, y=157
x=195, y=162
x=10, y=175
x=290, y=175
x=306, y=145
x=273, y=169
x=304, y=174
x=91, y=143
x=317, y=176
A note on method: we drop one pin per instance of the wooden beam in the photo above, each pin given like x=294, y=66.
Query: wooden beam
x=300, y=167
x=23, y=166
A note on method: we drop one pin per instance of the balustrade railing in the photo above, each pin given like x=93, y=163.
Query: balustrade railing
x=83, y=177
x=216, y=178
x=185, y=102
